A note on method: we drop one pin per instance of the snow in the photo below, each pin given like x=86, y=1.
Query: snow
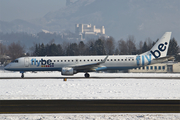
x=96, y=88
x=106, y=116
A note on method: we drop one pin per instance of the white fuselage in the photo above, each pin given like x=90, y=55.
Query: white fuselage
x=116, y=62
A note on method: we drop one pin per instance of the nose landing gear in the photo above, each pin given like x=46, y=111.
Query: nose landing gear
x=86, y=75
x=22, y=76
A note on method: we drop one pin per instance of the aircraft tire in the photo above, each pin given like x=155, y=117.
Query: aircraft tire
x=22, y=76
x=86, y=75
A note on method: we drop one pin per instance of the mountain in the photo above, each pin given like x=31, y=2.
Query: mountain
x=19, y=26
x=141, y=18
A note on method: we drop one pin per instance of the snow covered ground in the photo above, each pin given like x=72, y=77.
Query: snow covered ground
x=118, y=88
x=120, y=116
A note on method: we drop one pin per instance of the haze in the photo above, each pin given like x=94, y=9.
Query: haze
x=121, y=18
x=28, y=9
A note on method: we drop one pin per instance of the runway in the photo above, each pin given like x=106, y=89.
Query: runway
x=89, y=106
x=91, y=78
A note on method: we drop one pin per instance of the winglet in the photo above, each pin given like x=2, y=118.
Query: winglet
x=104, y=59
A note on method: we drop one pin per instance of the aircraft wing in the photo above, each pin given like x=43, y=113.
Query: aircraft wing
x=91, y=66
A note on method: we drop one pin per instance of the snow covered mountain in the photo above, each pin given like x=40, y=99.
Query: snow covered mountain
x=141, y=18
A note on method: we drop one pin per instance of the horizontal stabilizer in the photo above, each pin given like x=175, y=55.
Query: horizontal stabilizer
x=166, y=58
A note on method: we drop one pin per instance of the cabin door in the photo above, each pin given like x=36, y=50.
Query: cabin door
x=26, y=62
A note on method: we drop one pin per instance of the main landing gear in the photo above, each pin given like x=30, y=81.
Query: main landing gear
x=86, y=75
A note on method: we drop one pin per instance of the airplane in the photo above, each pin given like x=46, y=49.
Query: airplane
x=70, y=65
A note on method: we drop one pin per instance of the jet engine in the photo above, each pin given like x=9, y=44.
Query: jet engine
x=68, y=71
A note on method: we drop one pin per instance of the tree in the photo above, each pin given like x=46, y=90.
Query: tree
x=173, y=48
x=72, y=50
x=15, y=50
x=99, y=47
x=122, y=47
x=149, y=44
x=59, y=50
x=81, y=47
x=140, y=47
x=117, y=51
x=109, y=46
x=145, y=47
x=131, y=47
x=2, y=49
x=42, y=50
x=37, y=50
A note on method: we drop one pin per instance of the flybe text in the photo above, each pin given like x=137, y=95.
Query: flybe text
x=142, y=60
x=42, y=63
x=161, y=48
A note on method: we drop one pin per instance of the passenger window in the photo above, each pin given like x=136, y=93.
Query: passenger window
x=72, y=60
x=118, y=59
x=107, y=59
x=94, y=60
x=132, y=59
x=88, y=60
x=121, y=59
x=57, y=60
x=129, y=59
x=64, y=60
x=61, y=60
x=125, y=59
x=84, y=60
x=54, y=60
x=111, y=60
x=114, y=59
x=91, y=60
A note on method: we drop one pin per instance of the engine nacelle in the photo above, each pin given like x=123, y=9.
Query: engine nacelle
x=68, y=71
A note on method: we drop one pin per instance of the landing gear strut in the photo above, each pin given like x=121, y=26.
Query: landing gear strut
x=86, y=75
x=22, y=76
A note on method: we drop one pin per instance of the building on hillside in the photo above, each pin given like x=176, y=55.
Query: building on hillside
x=88, y=31
x=168, y=67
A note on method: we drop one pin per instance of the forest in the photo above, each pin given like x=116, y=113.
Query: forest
x=101, y=46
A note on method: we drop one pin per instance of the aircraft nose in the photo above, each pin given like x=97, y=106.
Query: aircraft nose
x=7, y=67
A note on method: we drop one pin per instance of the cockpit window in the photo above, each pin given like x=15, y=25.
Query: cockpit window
x=15, y=61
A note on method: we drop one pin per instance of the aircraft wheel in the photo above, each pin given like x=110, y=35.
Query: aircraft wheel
x=86, y=75
x=22, y=76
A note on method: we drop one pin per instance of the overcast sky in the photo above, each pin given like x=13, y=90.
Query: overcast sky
x=31, y=9
x=28, y=9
